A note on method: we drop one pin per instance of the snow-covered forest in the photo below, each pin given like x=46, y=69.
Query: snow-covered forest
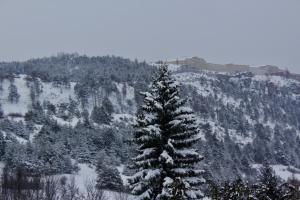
x=76, y=116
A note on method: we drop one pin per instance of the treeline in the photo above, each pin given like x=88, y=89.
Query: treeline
x=64, y=68
x=267, y=187
x=21, y=184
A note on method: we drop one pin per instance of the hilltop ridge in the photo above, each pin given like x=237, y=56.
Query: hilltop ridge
x=200, y=63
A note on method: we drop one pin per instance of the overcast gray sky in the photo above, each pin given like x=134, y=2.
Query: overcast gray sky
x=233, y=31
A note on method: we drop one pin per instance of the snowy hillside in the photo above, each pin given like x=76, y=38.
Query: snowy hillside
x=203, y=83
x=88, y=105
x=61, y=94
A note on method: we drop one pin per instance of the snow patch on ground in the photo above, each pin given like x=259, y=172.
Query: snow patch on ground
x=123, y=177
x=73, y=122
x=85, y=175
x=239, y=138
x=57, y=95
x=284, y=172
x=123, y=117
x=173, y=67
x=194, y=79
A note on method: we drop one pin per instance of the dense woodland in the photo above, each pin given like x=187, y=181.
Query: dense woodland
x=243, y=119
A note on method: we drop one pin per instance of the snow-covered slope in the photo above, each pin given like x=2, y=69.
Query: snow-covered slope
x=204, y=83
x=240, y=114
x=60, y=94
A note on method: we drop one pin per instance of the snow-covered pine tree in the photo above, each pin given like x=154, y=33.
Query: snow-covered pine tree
x=268, y=186
x=164, y=133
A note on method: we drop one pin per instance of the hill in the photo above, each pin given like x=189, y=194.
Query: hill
x=77, y=106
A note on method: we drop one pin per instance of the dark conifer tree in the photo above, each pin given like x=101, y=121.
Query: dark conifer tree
x=86, y=118
x=165, y=132
x=108, y=106
x=100, y=116
x=2, y=145
x=268, y=186
x=291, y=189
x=108, y=176
x=13, y=95
x=1, y=112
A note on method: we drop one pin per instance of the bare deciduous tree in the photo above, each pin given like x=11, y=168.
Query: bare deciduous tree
x=93, y=193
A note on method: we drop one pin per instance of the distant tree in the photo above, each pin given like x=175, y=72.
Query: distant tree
x=1, y=84
x=62, y=111
x=268, y=185
x=86, y=118
x=36, y=114
x=108, y=106
x=100, y=116
x=73, y=107
x=51, y=108
x=2, y=145
x=35, y=89
x=82, y=93
x=108, y=175
x=13, y=95
x=1, y=112
x=20, y=130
